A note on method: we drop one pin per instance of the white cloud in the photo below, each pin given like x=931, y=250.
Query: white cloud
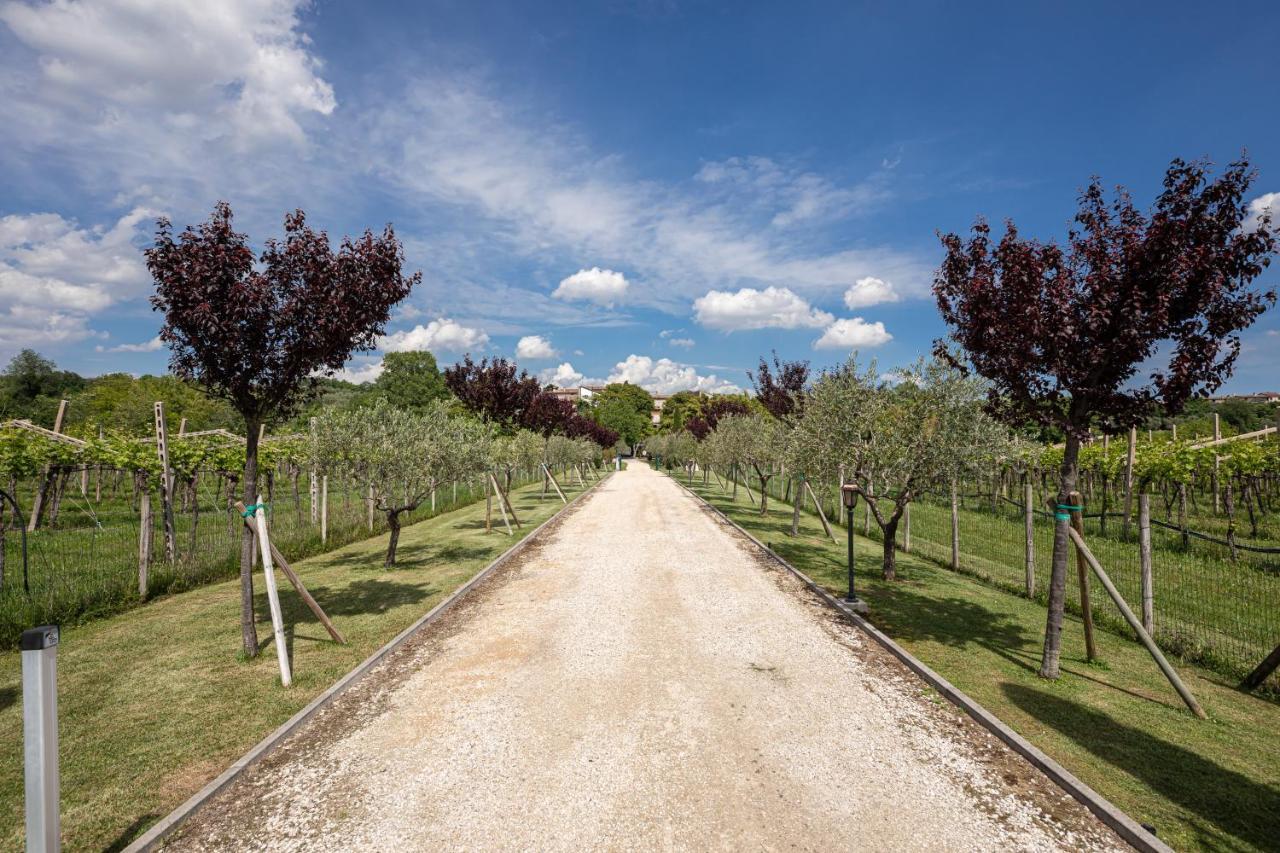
x=853, y=334
x=440, y=334
x=360, y=374
x=54, y=275
x=563, y=376
x=604, y=287
x=239, y=65
x=748, y=308
x=791, y=195
x=152, y=345
x=534, y=346
x=869, y=291
x=683, y=343
x=665, y=376
x=1268, y=202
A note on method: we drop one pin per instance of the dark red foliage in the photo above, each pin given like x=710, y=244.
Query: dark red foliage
x=548, y=414
x=719, y=408
x=1062, y=334
x=698, y=427
x=493, y=389
x=258, y=335
x=781, y=389
x=583, y=427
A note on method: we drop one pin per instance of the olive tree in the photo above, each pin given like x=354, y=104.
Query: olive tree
x=897, y=440
x=402, y=455
x=754, y=440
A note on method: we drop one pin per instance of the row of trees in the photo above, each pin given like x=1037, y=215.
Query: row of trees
x=1042, y=337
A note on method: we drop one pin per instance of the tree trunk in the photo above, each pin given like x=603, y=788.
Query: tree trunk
x=796, y=504
x=1058, y=570
x=764, y=493
x=890, y=530
x=393, y=522
x=248, y=628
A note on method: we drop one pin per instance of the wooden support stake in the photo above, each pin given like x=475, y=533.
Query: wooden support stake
x=273, y=596
x=551, y=478
x=488, y=507
x=296, y=581
x=1143, y=636
x=906, y=529
x=314, y=490
x=370, y=501
x=1217, y=461
x=1029, y=518
x=493, y=481
x=1082, y=573
x=503, y=499
x=1269, y=664
x=826, y=525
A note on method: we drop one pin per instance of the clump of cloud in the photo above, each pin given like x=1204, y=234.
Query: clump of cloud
x=853, y=333
x=535, y=346
x=749, y=308
x=869, y=291
x=440, y=334
x=603, y=287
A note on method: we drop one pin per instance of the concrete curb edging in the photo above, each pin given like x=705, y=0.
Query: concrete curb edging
x=1123, y=825
x=152, y=838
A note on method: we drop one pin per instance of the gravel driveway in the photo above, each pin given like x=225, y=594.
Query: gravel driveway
x=639, y=679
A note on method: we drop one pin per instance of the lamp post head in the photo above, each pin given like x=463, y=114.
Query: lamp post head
x=849, y=494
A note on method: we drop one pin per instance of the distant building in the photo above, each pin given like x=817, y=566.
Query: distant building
x=1271, y=397
x=586, y=392
x=658, y=401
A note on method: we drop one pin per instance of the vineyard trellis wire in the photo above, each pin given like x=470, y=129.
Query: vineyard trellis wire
x=1210, y=605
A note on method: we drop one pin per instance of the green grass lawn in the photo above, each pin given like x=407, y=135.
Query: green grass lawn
x=1117, y=724
x=154, y=703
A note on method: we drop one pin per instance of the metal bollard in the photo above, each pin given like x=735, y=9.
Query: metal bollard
x=40, y=737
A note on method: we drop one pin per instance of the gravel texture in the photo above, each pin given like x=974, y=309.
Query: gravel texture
x=640, y=679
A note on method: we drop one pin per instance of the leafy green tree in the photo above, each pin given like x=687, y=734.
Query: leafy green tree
x=620, y=415
x=402, y=455
x=32, y=385
x=896, y=442
x=633, y=395
x=410, y=380
x=679, y=409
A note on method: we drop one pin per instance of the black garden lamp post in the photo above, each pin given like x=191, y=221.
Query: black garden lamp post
x=849, y=495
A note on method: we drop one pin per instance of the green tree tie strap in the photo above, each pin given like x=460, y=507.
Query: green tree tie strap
x=1066, y=516
x=252, y=508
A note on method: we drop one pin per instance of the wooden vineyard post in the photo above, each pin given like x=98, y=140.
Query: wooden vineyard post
x=488, y=507
x=797, y=506
x=273, y=596
x=1129, y=460
x=1029, y=521
x=294, y=579
x=369, y=501
x=955, y=527
x=1217, y=461
x=1144, y=555
x=315, y=484
x=42, y=488
x=906, y=529
x=166, y=485
x=144, y=540
x=552, y=479
x=1082, y=573
x=324, y=509
x=97, y=475
x=1143, y=636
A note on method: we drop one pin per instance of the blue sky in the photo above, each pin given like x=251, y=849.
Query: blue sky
x=652, y=191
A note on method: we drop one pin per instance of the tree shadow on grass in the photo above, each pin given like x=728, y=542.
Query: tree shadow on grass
x=1224, y=799
x=431, y=552
x=361, y=597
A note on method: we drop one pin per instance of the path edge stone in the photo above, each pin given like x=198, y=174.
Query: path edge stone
x=1126, y=827
x=156, y=835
